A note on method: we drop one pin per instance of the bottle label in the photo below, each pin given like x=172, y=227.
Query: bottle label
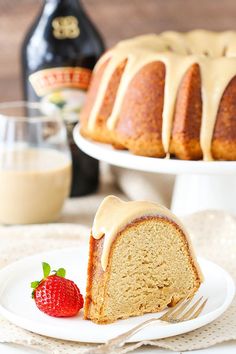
x=61, y=89
x=65, y=27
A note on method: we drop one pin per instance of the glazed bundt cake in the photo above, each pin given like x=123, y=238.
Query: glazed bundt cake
x=171, y=94
x=140, y=261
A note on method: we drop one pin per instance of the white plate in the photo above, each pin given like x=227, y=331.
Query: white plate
x=122, y=158
x=17, y=306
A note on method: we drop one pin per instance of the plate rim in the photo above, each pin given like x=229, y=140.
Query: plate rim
x=121, y=158
x=30, y=325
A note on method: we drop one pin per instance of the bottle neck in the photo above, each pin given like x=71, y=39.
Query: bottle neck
x=63, y=8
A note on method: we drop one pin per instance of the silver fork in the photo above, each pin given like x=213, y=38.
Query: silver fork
x=179, y=313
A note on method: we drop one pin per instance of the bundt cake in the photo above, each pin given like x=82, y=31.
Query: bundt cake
x=140, y=261
x=172, y=94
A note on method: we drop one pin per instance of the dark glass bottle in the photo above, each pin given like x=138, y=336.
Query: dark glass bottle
x=58, y=55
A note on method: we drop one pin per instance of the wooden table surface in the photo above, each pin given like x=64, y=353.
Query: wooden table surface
x=116, y=19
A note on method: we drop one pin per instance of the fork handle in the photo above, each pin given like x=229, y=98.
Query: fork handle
x=122, y=338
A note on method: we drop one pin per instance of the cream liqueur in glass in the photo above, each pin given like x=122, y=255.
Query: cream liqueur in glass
x=35, y=168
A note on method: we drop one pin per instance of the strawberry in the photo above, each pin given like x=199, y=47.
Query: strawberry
x=55, y=295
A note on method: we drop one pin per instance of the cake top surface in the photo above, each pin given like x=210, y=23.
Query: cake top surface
x=114, y=214
x=214, y=52
x=197, y=42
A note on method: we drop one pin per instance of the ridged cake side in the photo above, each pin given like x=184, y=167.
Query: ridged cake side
x=132, y=112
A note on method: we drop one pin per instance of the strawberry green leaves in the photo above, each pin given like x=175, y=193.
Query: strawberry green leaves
x=34, y=284
x=61, y=272
x=46, y=269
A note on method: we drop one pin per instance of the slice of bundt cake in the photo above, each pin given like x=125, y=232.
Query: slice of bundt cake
x=140, y=261
x=168, y=94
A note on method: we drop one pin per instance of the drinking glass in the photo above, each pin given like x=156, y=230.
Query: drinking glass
x=35, y=164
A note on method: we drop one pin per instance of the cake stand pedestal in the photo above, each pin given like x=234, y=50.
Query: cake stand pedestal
x=199, y=185
x=195, y=192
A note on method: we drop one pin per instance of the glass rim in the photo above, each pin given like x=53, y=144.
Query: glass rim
x=24, y=118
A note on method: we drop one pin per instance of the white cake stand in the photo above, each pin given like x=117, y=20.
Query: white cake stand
x=199, y=185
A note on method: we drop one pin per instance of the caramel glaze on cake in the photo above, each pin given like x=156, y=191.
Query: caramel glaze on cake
x=140, y=261
x=168, y=94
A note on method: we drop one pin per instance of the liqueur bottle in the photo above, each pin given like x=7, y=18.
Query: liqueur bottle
x=58, y=55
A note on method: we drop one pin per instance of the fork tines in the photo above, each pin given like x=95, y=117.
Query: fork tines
x=181, y=312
